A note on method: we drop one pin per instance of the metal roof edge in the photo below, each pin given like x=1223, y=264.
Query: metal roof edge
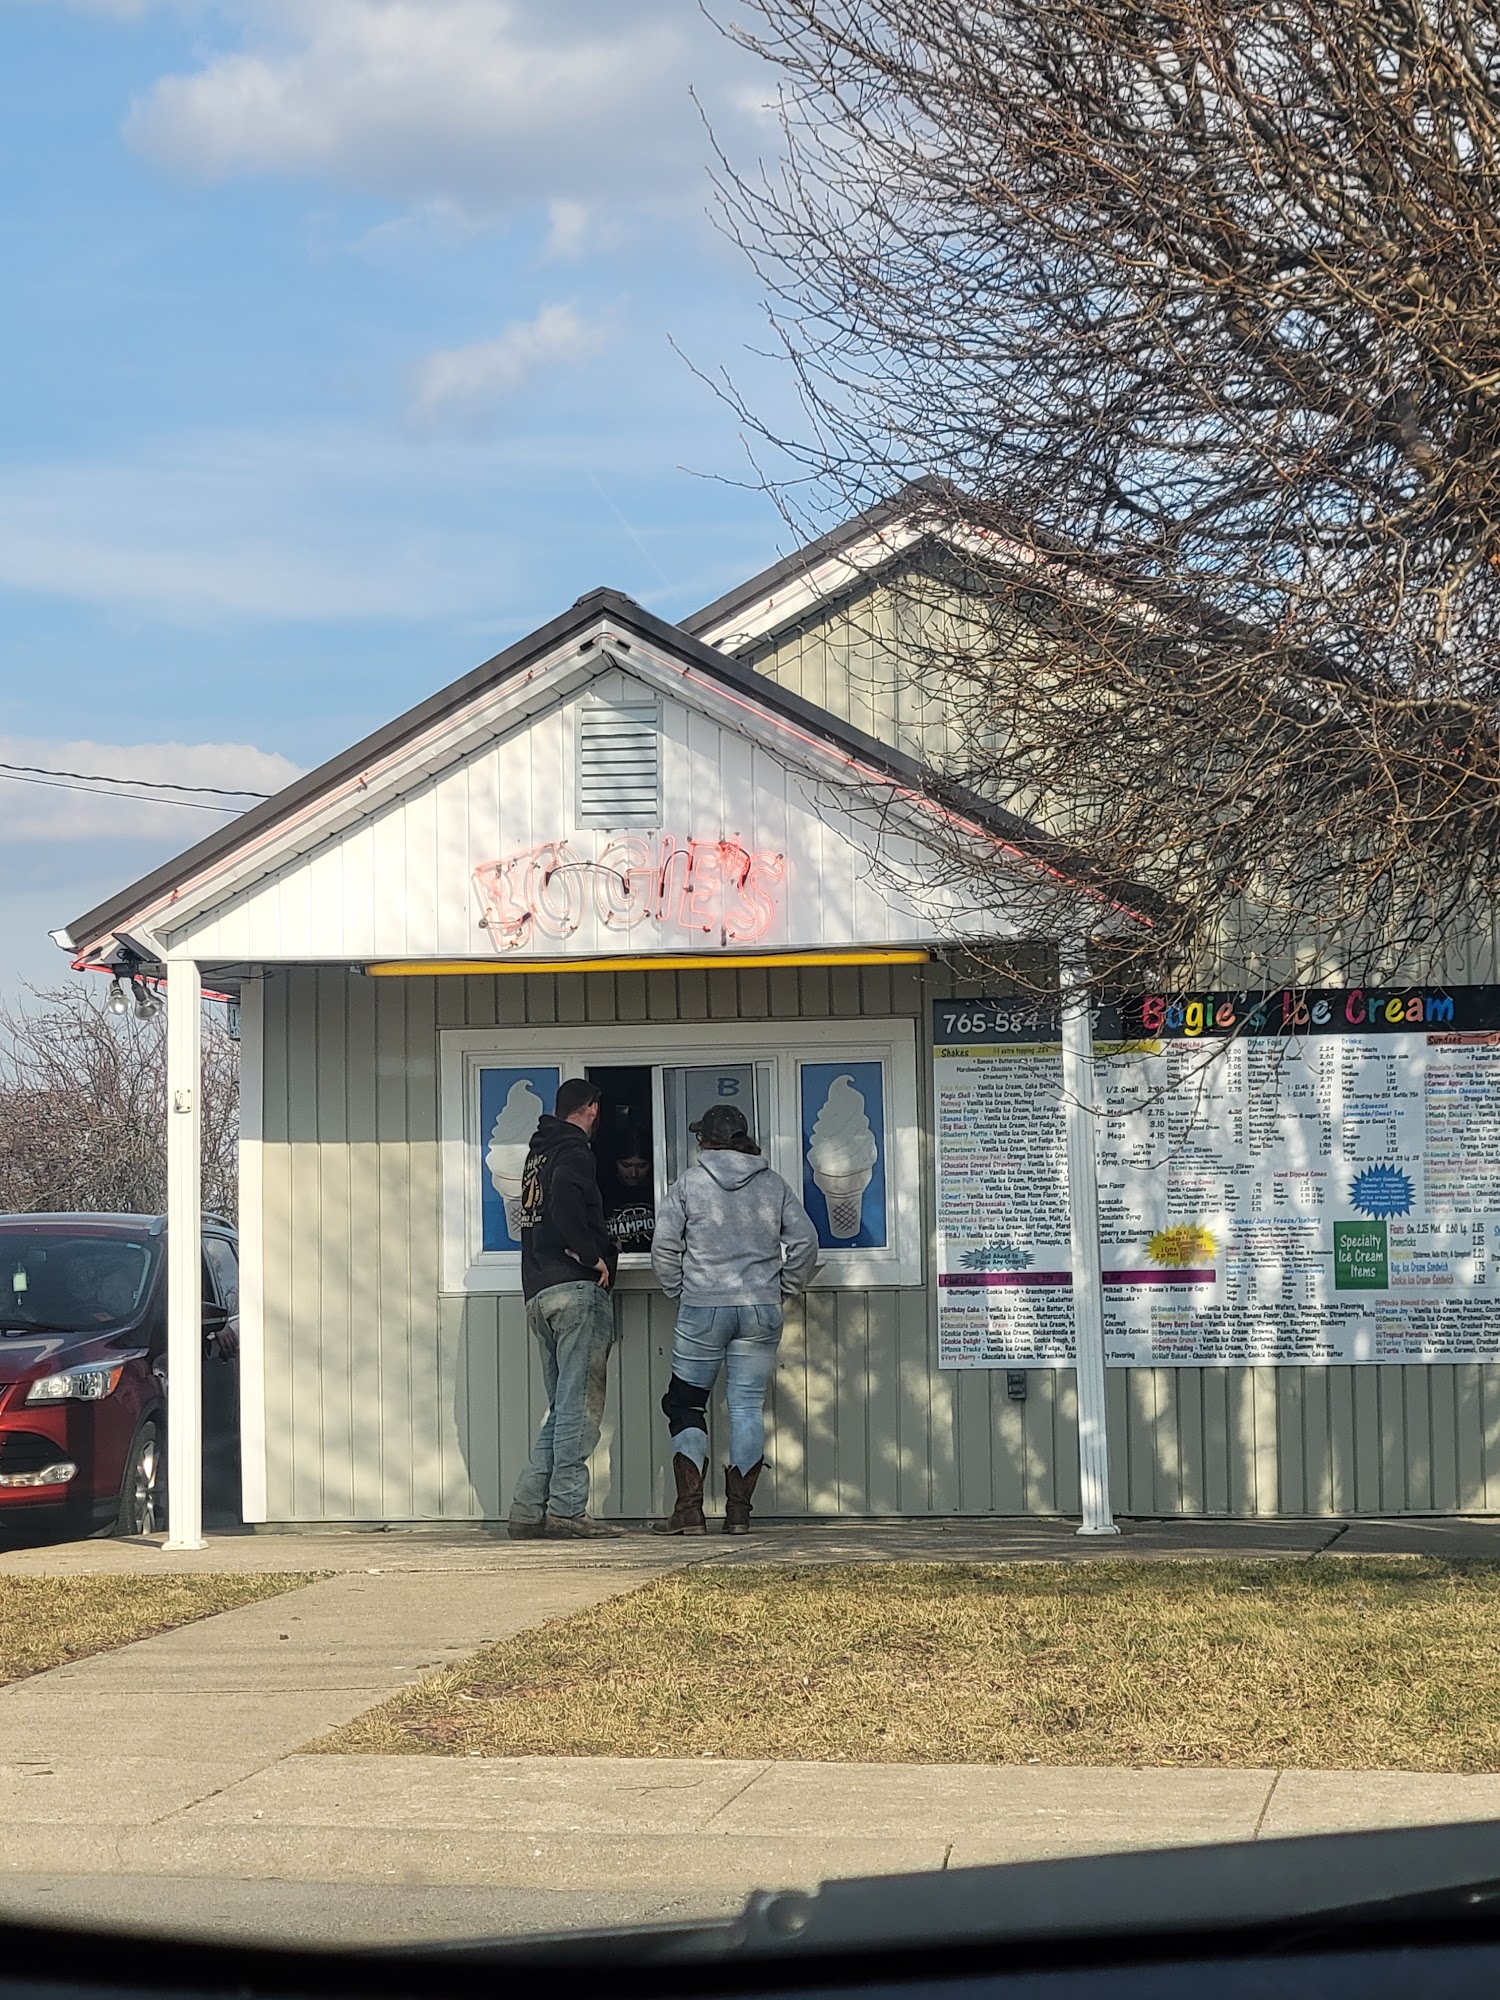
x=801, y=562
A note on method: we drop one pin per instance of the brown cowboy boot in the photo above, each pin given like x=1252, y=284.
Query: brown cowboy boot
x=686, y=1517
x=738, y=1487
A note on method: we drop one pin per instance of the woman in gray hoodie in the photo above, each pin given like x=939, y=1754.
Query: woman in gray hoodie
x=732, y=1242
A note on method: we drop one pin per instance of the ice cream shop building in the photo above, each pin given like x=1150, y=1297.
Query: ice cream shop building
x=1067, y=1267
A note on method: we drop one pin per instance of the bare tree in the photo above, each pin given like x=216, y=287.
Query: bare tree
x=1194, y=309
x=83, y=1107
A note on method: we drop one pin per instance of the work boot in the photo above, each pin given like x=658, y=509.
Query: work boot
x=580, y=1528
x=738, y=1487
x=686, y=1517
x=521, y=1530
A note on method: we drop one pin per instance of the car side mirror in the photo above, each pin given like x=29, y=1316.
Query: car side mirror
x=215, y=1317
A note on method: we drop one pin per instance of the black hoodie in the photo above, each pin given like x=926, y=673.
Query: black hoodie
x=562, y=1217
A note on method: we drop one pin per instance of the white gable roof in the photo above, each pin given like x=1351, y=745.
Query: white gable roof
x=456, y=835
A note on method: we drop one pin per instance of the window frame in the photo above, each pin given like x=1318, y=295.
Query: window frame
x=784, y=1045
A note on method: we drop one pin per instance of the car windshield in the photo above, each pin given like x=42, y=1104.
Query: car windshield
x=52, y=1279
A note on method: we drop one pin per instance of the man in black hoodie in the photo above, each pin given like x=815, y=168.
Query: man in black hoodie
x=567, y=1267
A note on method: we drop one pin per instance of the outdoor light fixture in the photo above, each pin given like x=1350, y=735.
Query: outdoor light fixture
x=147, y=1003
x=117, y=1002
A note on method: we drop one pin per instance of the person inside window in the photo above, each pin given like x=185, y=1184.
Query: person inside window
x=629, y=1206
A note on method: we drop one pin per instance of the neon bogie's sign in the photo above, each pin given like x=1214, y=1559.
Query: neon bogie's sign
x=711, y=888
x=1314, y=1010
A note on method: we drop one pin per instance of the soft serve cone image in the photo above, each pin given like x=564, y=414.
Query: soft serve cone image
x=510, y=1141
x=842, y=1154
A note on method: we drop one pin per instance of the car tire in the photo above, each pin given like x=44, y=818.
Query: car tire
x=143, y=1489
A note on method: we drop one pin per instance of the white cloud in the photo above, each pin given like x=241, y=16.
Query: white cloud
x=465, y=385
x=489, y=105
x=49, y=811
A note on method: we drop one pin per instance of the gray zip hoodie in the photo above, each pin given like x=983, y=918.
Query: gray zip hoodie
x=722, y=1231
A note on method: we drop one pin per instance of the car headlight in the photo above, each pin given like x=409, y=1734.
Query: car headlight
x=90, y=1382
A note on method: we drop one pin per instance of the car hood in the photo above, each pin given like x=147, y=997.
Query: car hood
x=26, y=1354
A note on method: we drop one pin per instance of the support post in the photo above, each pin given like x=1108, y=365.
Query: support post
x=252, y=1370
x=184, y=1257
x=1083, y=1201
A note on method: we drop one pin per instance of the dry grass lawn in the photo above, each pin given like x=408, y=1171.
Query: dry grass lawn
x=48, y=1620
x=1335, y=1663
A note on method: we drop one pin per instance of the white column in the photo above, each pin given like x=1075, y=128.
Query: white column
x=184, y=1257
x=1083, y=1200
x=252, y=1295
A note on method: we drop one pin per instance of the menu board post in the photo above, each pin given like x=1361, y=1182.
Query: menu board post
x=1088, y=1265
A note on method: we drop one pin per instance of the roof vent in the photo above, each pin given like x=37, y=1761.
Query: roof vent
x=619, y=763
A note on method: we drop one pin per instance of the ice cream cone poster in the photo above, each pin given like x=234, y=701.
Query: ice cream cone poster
x=510, y=1103
x=843, y=1154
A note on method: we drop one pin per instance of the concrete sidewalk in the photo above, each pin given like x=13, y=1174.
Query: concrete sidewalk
x=380, y=1849
x=165, y=1783
x=487, y=1549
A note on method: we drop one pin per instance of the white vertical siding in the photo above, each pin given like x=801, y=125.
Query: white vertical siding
x=400, y=883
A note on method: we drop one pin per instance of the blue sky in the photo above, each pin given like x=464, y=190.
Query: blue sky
x=338, y=347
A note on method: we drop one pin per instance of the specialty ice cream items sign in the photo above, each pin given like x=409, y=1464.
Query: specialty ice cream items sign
x=1004, y=1259
x=1283, y=1179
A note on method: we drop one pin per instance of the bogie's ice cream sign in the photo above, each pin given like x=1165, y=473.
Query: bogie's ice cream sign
x=1296, y=1177
x=705, y=888
x=1292, y=1011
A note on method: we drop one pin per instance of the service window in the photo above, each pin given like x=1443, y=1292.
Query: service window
x=831, y=1104
x=627, y=1147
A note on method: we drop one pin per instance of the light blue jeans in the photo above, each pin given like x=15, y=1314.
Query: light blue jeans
x=574, y=1326
x=742, y=1340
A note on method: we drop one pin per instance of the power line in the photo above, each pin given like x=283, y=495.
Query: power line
x=97, y=791
x=153, y=784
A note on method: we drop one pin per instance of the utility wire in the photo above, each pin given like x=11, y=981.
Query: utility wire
x=97, y=791
x=153, y=784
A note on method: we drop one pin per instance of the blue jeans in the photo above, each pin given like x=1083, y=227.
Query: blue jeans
x=574, y=1326
x=743, y=1341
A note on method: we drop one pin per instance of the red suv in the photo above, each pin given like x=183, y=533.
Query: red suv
x=83, y=1336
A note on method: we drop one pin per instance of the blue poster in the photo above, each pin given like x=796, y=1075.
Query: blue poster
x=510, y=1103
x=843, y=1154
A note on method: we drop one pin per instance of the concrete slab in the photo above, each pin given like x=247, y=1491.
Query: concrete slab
x=344, y=1552
x=542, y=1795
x=1338, y=1801
x=73, y=1790
x=350, y=1914
x=1000, y=1812
x=608, y=1824
x=248, y=1728
x=447, y=1857
x=484, y=1550
x=1452, y=1536
x=1023, y=1541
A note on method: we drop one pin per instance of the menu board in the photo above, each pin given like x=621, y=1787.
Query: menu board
x=1004, y=1256
x=1284, y=1179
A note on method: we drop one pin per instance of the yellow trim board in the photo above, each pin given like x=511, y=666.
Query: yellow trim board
x=664, y=961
